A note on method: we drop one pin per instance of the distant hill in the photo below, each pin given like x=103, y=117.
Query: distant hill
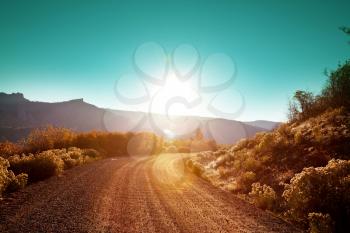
x=20, y=115
x=269, y=125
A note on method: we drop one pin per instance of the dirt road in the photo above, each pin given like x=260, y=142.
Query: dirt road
x=131, y=195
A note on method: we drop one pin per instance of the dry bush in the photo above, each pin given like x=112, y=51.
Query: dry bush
x=321, y=190
x=48, y=138
x=17, y=182
x=245, y=181
x=8, y=181
x=51, y=162
x=38, y=167
x=9, y=148
x=4, y=175
x=264, y=196
x=251, y=164
x=320, y=223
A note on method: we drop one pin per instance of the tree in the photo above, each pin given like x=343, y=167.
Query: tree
x=337, y=89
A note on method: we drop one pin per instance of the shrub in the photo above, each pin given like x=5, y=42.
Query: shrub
x=48, y=138
x=321, y=190
x=251, y=164
x=38, y=167
x=264, y=196
x=320, y=223
x=266, y=141
x=8, y=181
x=51, y=162
x=5, y=175
x=18, y=182
x=298, y=137
x=245, y=181
x=8, y=148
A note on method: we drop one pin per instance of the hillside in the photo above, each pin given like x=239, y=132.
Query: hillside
x=301, y=170
x=19, y=116
x=274, y=160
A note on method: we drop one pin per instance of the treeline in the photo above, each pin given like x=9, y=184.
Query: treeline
x=107, y=144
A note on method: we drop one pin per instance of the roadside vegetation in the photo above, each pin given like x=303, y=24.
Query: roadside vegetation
x=49, y=150
x=300, y=170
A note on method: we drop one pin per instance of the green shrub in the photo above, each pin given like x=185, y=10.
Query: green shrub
x=320, y=223
x=264, y=196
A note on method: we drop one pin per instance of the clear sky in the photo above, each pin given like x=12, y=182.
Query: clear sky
x=60, y=50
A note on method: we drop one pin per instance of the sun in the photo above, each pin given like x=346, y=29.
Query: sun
x=175, y=98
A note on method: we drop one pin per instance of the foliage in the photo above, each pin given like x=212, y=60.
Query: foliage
x=9, y=148
x=264, y=196
x=275, y=157
x=321, y=190
x=47, y=138
x=283, y=161
x=335, y=94
x=107, y=144
x=245, y=181
x=120, y=144
x=8, y=181
x=38, y=167
x=4, y=174
x=320, y=223
x=49, y=163
x=17, y=182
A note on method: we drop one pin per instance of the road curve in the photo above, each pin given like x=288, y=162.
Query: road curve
x=153, y=194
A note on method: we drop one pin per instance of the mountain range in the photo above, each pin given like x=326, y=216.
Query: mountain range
x=20, y=115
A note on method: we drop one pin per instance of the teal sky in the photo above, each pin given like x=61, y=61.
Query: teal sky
x=60, y=50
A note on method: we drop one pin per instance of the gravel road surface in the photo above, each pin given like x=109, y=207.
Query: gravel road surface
x=128, y=194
